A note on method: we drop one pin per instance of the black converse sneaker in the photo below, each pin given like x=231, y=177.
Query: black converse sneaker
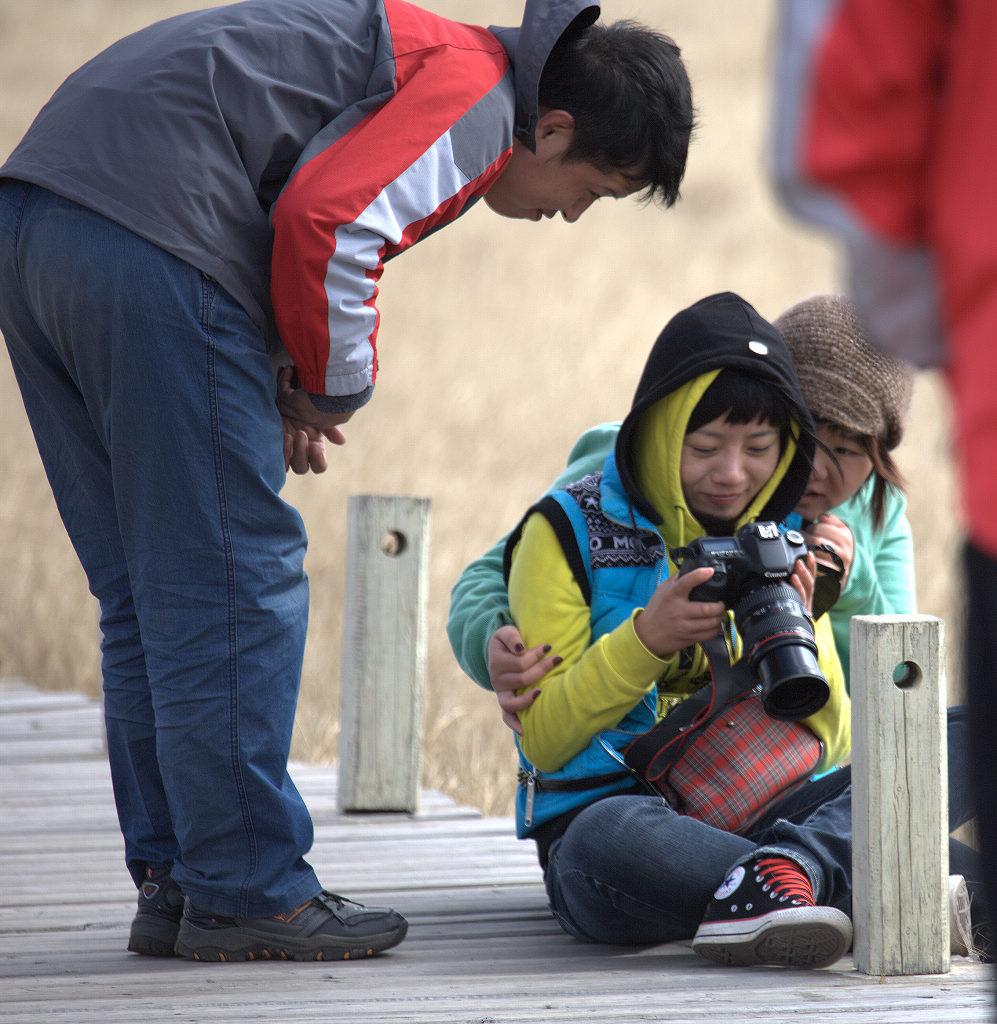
x=327, y=927
x=160, y=907
x=764, y=913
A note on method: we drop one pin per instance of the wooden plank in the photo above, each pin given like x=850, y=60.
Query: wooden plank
x=384, y=652
x=24, y=726
x=482, y=946
x=18, y=695
x=899, y=795
x=422, y=988
x=54, y=727
x=58, y=748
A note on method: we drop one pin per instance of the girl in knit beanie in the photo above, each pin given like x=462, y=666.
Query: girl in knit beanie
x=859, y=397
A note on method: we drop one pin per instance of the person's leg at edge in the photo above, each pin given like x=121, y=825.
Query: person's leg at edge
x=964, y=860
x=980, y=647
x=214, y=557
x=181, y=408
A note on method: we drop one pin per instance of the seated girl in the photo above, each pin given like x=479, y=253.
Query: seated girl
x=718, y=436
x=860, y=399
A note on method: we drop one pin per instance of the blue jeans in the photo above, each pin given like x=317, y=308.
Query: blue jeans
x=151, y=398
x=630, y=870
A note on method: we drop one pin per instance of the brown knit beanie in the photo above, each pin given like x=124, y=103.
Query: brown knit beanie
x=845, y=380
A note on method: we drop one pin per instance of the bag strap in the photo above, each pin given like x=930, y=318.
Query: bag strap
x=555, y=514
x=651, y=755
x=543, y=782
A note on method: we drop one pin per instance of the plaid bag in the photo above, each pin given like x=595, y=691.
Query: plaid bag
x=731, y=771
x=721, y=758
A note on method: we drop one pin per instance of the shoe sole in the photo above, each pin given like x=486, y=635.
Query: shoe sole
x=234, y=945
x=153, y=938
x=778, y=938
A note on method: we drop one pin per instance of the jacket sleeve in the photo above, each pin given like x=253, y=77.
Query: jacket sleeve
x=597, y=683
x=881, y=580
x=400, y=172
x=856, y=103
x=479, y=601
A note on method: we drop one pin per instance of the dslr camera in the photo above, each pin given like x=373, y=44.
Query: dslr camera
x=750, y=573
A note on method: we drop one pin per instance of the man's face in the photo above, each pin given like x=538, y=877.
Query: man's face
x=542, y=184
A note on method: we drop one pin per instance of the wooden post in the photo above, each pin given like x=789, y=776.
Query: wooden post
x=384, y=653
x=899, y=795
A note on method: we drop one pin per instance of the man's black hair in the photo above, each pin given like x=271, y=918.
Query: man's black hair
x=627, y=89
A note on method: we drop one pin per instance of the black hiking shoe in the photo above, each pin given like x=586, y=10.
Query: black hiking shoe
x=327, y=927
x=160, y=907
x=764, y=913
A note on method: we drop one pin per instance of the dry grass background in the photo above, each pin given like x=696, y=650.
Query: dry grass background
x=500, y=342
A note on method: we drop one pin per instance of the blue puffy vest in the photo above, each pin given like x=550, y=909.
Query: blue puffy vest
x=618, y=565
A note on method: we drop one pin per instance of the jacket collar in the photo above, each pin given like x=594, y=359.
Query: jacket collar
x=529, y=46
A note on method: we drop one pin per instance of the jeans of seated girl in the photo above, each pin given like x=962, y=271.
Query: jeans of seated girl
x=151, y=398
x=630, y=870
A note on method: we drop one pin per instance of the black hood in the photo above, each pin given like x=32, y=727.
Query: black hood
x=720, y=332
x=529, y=46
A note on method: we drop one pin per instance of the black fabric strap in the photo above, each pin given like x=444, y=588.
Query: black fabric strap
x=542, y=782
x=550, y=508
x=827, y=588
x=664, y=743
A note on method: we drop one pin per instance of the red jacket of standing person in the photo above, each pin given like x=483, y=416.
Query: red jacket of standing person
x=884, y=134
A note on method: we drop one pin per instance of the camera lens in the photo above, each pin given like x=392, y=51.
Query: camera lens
x=780, y=648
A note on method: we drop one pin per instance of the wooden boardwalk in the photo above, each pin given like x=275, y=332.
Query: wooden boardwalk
x=481, y=949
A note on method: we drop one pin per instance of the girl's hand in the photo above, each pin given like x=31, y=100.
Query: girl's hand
x=829, y=529
x=671, y=620
x=512, y=667
x=804, y=579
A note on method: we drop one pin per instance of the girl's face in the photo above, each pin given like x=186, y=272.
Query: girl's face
x=830, y=485
x=724, y=465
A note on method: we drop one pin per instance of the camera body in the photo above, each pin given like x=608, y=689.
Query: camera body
x=750, y=573
x=759, y=554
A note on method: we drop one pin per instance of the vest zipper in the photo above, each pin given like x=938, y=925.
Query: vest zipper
x=531, y=790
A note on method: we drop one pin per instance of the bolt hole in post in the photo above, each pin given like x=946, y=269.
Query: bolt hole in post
x=906, y=675
x=393, y=543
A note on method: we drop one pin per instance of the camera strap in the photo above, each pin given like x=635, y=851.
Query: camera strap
x=827, y=587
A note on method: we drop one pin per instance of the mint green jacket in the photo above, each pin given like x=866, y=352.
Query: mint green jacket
x=881, y=581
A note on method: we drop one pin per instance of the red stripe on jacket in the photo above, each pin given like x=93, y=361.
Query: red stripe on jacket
x=442, y=69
